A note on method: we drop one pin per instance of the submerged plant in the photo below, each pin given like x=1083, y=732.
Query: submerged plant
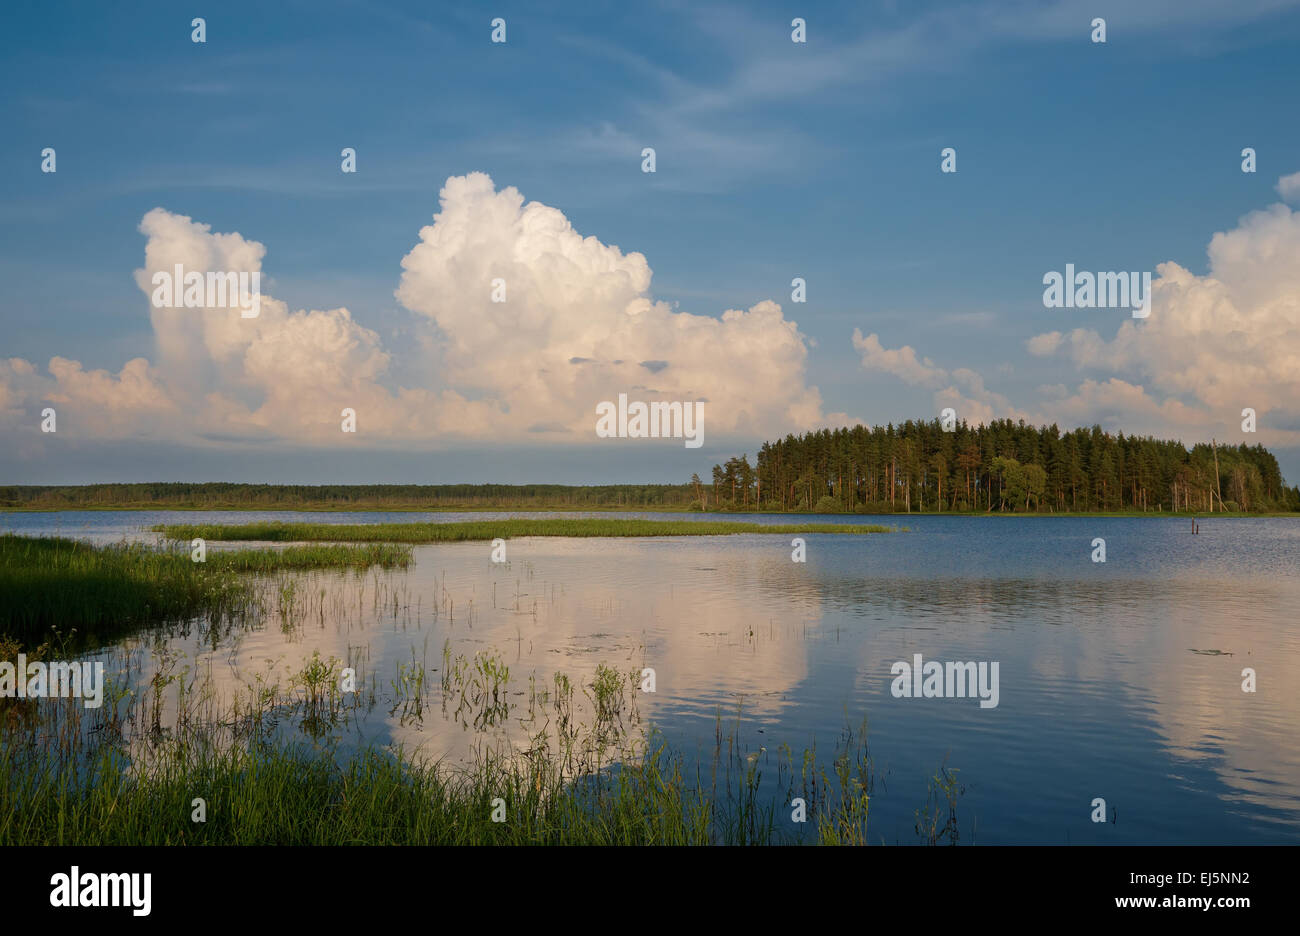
x=936, y=821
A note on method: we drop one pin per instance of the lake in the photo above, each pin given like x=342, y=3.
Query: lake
x=1119, y=680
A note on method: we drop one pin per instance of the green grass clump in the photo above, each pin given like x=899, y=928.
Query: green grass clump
x=48, y=582
x=128, y=772
x=492, y=529
x=264, y=794
x=303, y=558
x=290, y=796
x=100, y=591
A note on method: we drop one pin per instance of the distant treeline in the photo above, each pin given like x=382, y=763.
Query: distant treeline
x=213, y=496
x=1004, y=466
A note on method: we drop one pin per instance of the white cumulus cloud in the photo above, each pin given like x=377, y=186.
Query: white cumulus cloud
x=578, y=326
x=1212, y=346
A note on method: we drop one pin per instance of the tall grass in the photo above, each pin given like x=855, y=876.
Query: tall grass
x=47, y=583
x=303, y=558
x=130, y=771
x=303, y=797
x=71, y=777
x=492, y=529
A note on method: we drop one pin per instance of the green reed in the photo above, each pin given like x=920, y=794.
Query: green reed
x=105, y=591
x=123, y=774
x=493, y=529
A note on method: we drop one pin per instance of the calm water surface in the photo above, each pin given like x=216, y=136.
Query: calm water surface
x=1119, y=680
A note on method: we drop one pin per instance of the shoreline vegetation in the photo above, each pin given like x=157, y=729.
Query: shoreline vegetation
x=586, y=771
x=487, y=530
x=1012, y=489
x=345, y=497
x=51, y=586
x=914, y=512
x=48, y=583
x=129, y=771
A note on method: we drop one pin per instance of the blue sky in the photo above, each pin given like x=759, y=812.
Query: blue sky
x=774, y=160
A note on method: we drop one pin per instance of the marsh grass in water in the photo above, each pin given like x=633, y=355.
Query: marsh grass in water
x=493, y=529
x=128, y=774
x=266, y=795
x=304, y=558
x=260, y=793
x=106, y=591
